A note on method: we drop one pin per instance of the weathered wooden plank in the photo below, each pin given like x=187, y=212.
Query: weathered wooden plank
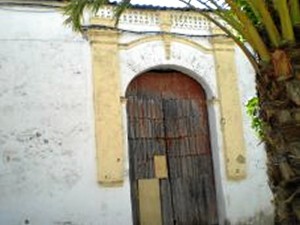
x=149, y=202
x=166, y=202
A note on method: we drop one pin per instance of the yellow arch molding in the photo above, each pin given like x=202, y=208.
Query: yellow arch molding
x=125, y=46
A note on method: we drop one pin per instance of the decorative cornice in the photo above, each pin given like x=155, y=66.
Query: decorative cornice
x=164, y=19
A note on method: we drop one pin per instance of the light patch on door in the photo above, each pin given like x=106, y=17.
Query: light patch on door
x=160, y=163
x=149, y=202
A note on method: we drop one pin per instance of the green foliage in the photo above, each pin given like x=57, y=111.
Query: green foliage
x=74, y=10
x=245, y=6
x=252, y=108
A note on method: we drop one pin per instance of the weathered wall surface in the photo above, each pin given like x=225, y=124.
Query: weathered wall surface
x=48, y=166
x=48, y=172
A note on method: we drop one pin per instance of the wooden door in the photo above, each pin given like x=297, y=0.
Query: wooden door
x=167, y=116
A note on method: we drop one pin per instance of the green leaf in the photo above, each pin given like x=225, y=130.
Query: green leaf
x=252, y=109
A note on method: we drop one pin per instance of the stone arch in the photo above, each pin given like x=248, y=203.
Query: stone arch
x=183, y=57
x=194, y=63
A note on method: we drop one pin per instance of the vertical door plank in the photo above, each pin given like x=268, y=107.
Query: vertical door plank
x=146, y=139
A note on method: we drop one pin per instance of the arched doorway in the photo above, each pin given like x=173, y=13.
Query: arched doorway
x=171, y=170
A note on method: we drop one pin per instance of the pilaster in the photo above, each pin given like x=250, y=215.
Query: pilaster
x=107, y=106
x=231, y=115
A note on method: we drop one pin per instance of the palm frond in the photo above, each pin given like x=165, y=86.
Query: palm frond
x=124, y=4
x=224, y=28
x=74, y=12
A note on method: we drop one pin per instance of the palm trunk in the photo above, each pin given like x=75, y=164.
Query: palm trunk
x=280, y=113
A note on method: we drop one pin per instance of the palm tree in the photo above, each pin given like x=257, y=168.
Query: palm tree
x=272, y=29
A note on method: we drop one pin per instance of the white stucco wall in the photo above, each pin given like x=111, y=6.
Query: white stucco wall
x=250, y=198
x=47, y=144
